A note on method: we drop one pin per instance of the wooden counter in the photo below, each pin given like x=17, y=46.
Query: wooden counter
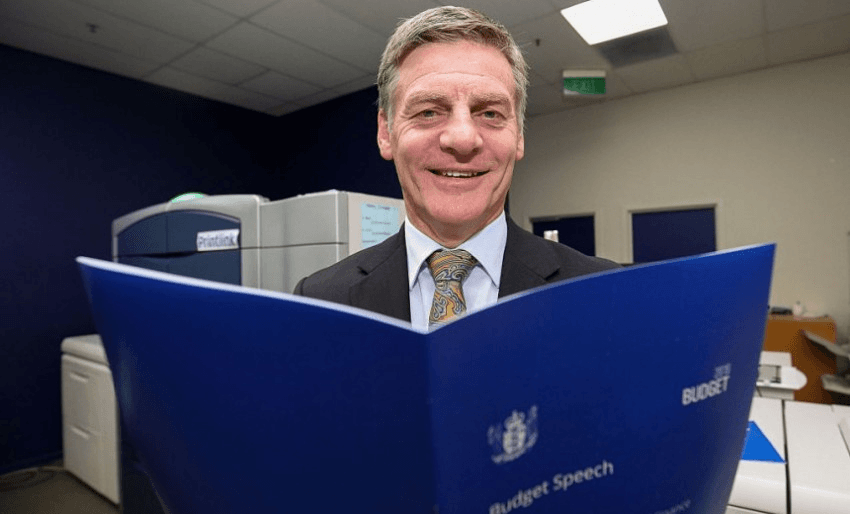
x=785, y=334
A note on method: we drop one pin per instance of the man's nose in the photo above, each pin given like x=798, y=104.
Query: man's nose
x=461, y=136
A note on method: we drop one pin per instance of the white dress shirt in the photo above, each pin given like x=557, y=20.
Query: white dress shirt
x=481, y=287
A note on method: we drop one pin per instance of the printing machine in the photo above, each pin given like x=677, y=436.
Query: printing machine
x=796, y=460
x=248, y=240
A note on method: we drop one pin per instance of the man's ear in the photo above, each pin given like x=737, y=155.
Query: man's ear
x=384, y=144
x=520, y=147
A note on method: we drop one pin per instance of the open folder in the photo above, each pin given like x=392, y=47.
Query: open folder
x=627, y=391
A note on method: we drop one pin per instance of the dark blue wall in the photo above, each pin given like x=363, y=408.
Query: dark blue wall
x=333, y=146
x=79, y=148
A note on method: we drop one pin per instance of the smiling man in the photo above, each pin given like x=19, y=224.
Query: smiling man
x=454, y=137
x=452, y=95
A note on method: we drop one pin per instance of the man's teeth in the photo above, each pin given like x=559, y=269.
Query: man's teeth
x=457, y=174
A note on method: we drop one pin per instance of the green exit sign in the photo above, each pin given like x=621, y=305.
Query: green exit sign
x=584, y=82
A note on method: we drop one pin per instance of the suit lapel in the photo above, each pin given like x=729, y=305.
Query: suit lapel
x=528, y=262
x=384, y=287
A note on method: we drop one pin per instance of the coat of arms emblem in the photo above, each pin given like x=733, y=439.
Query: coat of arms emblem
x=511, y=439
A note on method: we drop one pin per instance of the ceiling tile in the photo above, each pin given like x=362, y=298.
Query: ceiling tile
x=176, y=79
x=329, y=31
x=657, y=74
x=583, y=101
x=33, y=39
x=183, y=18
x=380, y=15
x=809, y=41
x=280, y=86
x=284, y=108
x=318, y=98
x=638, y=47
x=782, y=14
x=214, y=65
x=357, y=85
x=508, y=12
x=694, y=25
x=615, y=86
x=728, y=58
x=560, y=48
x=247, y=99
x=241, y=8
x=535, y=79
x=544, y=99
x=258, y=45
x=75, y=20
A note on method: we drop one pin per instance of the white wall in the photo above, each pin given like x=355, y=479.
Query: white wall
x=771, y=148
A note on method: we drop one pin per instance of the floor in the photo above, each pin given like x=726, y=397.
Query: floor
x=50, y=490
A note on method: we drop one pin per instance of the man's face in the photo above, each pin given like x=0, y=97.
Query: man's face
x=454, y=137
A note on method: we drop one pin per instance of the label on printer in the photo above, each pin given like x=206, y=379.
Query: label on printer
x=218, y=240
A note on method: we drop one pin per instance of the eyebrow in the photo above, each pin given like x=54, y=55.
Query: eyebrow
x=421, y=97
x=486, y=100
x=491, y=98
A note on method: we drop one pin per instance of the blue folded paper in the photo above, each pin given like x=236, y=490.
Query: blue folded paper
x=624, y=391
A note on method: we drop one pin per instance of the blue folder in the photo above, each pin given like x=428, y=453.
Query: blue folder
x=624, y=391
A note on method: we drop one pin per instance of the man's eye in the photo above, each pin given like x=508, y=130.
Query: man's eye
x=491, y=115
x=428, y=113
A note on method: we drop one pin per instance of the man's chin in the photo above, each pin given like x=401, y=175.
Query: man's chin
x=456, y=223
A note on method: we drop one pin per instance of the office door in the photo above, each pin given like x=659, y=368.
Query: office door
x=661, y=235
x=575, y=231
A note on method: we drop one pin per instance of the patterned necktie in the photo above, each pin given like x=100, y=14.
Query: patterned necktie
x=449, y=269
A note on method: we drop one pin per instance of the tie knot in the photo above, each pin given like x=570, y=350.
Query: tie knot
x=453, y=265
x=449, y=269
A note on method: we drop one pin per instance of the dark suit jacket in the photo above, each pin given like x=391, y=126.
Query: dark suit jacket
x=376, y=278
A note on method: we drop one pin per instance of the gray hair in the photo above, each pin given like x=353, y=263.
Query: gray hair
x=446, y=25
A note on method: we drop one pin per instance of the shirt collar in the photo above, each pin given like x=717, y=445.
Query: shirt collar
x=487, y=245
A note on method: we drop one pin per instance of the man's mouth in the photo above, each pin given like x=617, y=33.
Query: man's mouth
x=457, y=173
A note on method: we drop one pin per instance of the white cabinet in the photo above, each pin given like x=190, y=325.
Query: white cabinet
x=89, y=415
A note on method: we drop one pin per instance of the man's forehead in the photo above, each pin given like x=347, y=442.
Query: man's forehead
x=440, y=70
x=453, y=55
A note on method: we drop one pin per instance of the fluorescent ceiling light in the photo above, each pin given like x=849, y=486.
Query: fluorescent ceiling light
x=603, y=20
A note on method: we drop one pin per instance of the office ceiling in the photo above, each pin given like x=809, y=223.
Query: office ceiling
x=278, y=56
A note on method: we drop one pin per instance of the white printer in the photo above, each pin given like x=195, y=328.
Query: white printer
x=803, y=466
